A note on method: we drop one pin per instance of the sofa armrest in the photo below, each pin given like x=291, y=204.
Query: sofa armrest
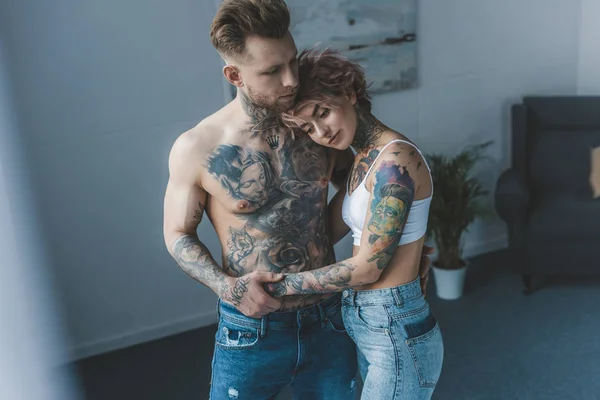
x=512, y=195
x=512, y=199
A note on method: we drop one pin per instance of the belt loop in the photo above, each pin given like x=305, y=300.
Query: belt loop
x=263, y=326
x=397, y=297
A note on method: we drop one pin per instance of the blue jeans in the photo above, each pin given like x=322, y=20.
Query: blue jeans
x=309, y=349
x=399, y=344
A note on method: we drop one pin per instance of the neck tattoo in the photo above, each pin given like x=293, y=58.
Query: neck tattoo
x=368, y=130
x=264, y=122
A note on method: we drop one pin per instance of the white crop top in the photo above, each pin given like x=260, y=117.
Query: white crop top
x=355, y=206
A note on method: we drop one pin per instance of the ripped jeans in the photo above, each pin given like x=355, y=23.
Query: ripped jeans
x=308, y=349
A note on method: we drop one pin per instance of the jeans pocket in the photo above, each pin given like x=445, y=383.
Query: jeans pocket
x=231, y=336
x=426, y=348
x=374, y=318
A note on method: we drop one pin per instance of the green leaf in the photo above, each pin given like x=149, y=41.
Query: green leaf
x=458, y=199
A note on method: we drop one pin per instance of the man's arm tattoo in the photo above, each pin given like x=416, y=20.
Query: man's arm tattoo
x=195, y=260
x=332, y=278
x=239, y=289
x=297, y=302
x=198, y=214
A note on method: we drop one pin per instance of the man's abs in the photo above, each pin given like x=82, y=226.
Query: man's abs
x=287, y=236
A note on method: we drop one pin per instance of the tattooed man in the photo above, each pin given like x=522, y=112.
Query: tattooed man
x=264, y=190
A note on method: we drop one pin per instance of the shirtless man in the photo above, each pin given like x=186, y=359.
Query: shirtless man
x=265, y=193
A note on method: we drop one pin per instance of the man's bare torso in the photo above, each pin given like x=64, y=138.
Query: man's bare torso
x=267, y=192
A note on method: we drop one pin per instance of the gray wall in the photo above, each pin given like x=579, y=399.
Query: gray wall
x=588, y=81
x=105, y=87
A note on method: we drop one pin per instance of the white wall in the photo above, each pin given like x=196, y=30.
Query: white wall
x=105, y=87
x=475, y=59
x=588, y=82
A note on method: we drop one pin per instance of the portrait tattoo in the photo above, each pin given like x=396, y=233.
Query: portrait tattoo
x=283, y=229
x=245, y=174
x=393, y=194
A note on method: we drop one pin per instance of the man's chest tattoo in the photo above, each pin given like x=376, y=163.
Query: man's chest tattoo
x=282, y=196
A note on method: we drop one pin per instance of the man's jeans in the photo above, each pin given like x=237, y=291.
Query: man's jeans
x=309, y=349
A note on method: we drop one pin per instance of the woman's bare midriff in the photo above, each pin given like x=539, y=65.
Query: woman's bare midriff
x=402, y=268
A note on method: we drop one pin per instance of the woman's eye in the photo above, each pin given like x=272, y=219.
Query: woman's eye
x=310, y=130
x=325, y=112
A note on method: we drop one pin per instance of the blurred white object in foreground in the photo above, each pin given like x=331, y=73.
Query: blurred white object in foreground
x=31, y=342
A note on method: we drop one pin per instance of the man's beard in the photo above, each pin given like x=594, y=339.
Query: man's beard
x=270, y=103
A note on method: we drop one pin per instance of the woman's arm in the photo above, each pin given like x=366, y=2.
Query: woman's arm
x=391, y=197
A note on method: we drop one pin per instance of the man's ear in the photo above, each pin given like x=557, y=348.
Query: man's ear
x=232, y=74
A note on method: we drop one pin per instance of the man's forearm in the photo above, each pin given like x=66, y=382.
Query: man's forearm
x=297, y=302
x=195, y=260
x=333, y=278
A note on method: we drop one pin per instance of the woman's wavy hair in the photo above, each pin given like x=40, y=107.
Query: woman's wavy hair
x=326, y=76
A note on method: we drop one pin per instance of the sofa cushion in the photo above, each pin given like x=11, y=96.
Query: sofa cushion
x=565, y=216
x=560, y=162
x=595, y=174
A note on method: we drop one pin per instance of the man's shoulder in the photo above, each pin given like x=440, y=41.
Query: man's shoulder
x=206, y=133
x=191, y=141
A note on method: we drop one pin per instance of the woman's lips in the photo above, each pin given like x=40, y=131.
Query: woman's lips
x=333, y=138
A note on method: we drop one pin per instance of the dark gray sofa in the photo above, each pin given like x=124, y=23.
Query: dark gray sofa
x=546, y=198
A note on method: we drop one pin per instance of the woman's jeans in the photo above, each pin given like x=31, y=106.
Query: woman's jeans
x=399, y=344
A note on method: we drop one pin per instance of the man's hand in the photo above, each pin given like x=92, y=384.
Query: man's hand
x=248, y=295
x=424, y=266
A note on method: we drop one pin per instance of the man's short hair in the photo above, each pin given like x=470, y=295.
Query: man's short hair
x=238, y=19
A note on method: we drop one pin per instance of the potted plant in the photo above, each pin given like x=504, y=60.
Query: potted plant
x=457, y=201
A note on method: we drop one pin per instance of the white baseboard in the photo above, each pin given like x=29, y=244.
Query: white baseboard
x=140, y=336
x=475, y=248
x=485, y=246
x=471, y=249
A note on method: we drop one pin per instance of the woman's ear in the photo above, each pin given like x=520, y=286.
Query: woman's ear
x=232, y=74
x=352, y=96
